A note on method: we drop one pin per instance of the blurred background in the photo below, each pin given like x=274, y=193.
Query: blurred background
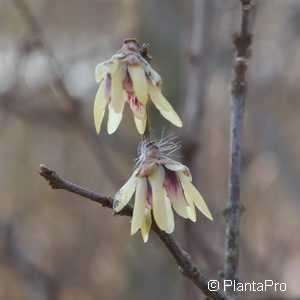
x=55, y=245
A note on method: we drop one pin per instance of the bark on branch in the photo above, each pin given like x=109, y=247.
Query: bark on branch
x=242, y=42
x=183, y=259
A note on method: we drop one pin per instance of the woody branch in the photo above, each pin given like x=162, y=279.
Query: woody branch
x=187, y=267
x=242, y=42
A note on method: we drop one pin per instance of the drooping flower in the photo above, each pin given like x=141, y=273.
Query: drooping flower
x=160, y=184
x=128, y=77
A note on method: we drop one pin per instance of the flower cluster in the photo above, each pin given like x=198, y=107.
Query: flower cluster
x=160, y=184
x=128, y=77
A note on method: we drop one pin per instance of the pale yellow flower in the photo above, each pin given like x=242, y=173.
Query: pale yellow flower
x=128, y=77
x=160, y=184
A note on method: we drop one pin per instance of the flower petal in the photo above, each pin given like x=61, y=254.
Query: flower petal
x=98, y=121
x=191, y=213
x=192, y=194
x=174, y=192
x=152, y=74
x=179, y=204
x=108, y=66
x=114, y=120
x=179, y=167
x=124, y=195
x=141, y=124
x=190, y=208
x=138, y=109
x=117, y=96
x=170, y=216
x=99, y=106
x=139, y=82
x=162, y=104
x=146, y=225
x=139, y=205
x=160, y=210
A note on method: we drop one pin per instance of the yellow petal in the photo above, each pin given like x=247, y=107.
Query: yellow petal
x=138, y=109
x=179, y=167
x=99, y=106
x=139, y=205
x=98, y=121
x=191, y=213
x=124, y=195
x=170, y=216
x=152, y=74
x=141, y=124
x=114, y=120
x=190, y=208
x=160, y=210
x=117, y=96
x=146, y=225
x=179, y=204
x=108, y=66
x=162, y=104
x=175, y=194
x=191, y=193
x=175, y=167
x=139, y=82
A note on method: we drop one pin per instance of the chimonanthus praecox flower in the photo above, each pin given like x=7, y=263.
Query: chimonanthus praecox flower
x=159, y=183
x=128, y=77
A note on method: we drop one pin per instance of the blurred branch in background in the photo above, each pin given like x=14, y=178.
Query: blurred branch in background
x=39, y=284
x=71, y=111
x=199, y=70
x=242, y=42
x=183, y=259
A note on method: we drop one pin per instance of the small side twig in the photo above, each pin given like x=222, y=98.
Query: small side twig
x=183, y=259
x=242, y=42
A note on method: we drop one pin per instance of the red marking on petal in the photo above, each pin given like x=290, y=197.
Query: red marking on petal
x=127, y=83
x=149, y=193
x=137, y=107
x=108, y=88
x=171, y=182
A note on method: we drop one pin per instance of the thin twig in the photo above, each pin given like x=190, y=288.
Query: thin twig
x=242, y=42
x=183, y=259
